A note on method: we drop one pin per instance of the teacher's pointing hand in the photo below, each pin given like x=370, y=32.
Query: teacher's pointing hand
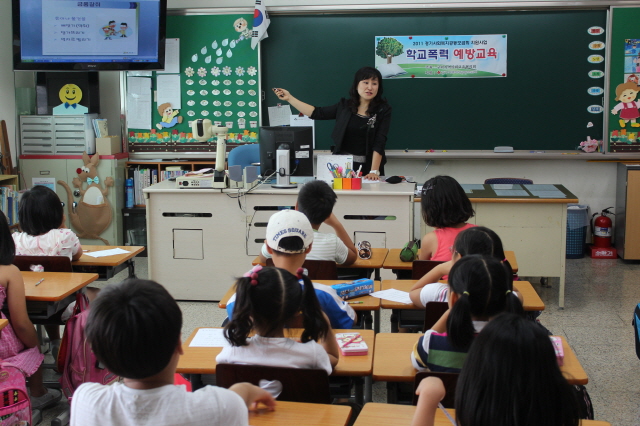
x=282, y=94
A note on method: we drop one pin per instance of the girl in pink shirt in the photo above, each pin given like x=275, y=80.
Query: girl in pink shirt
x=445, y=207
x=18, y=340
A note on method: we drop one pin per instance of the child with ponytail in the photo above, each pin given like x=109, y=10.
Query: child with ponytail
x=476, y=240
x=480, y=287
x=268, y=300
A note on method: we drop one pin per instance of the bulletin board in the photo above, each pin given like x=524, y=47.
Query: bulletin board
x=219, y=80
x=625, y=66
x=543, y=103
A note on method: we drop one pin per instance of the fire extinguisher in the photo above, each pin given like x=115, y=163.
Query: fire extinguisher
x=601, y=228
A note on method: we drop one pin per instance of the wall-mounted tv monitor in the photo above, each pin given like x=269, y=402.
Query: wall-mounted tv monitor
x=63, y=35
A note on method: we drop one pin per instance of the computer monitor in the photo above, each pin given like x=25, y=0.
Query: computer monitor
x=297, y=141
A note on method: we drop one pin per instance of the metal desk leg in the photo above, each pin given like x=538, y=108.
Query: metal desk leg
x=132, y=268
x=367, y=320
x=196, y=381
x=359, y=385
x=376, y=321
x=395, y=314
x=392, y=392
x=376, y=274
x=368, y=389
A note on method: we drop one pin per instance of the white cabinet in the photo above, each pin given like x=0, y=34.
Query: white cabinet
x=65, y=169
x=57, y=134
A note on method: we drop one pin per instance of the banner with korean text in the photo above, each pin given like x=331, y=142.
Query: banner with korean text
x=468, y=56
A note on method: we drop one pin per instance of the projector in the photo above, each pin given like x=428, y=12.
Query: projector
x=194, y=182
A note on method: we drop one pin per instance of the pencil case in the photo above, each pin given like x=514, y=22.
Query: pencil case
x=353, y=289
x=557, y=346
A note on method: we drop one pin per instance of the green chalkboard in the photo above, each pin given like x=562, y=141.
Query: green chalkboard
x=543, y=102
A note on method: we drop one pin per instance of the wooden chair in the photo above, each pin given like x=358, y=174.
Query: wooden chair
x=49, y=263
x=421, y=267
x=318, y=269
x=298, y=384
x=450, y=381
x=508, y=180
x=432, y=313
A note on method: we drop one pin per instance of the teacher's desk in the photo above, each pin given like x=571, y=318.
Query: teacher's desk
x=196, y=234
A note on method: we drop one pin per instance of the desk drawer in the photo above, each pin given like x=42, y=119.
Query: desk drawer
x=29, y=128
x=33, y=119
x=37, y=147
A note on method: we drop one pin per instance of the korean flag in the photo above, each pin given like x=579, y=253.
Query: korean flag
x=260, y=23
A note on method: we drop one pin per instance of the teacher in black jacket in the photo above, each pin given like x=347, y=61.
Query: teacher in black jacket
x=362, y=121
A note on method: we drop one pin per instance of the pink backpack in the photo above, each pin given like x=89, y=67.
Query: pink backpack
x=15, y=406
x=76, y=360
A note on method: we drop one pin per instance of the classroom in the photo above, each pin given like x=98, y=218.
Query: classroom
x=590, y=303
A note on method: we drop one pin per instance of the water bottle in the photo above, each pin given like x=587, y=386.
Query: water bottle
x=129, y=193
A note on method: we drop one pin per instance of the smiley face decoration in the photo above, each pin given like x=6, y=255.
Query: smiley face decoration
x=70, y=96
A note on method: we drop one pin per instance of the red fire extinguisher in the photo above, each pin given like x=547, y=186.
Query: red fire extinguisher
x=601, y=228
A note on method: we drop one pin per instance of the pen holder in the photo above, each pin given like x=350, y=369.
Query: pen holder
x=346, y=183
x=337, y=183
x=356, y=183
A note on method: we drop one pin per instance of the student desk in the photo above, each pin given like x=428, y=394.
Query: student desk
x=535, y=227
x=3, y=323
x=203, y=360
x=378, y=258
x=392, y=361
x=531, y=301
x=393, y=261
x=43, y=300
x=108, y=266
x=301, y=413
x=376, y=414
x=196, y=234
x=364, y=305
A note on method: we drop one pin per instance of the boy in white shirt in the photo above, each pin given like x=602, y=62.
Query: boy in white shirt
x=316, y=200
x=134, y=330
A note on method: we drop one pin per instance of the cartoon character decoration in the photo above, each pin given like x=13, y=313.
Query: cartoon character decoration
x=632, y=78
x=169, y=116
x=109, y=30
x=123, y=29
x=241, y=26
x=628, y=107
x=91, y=216
x=70, y=95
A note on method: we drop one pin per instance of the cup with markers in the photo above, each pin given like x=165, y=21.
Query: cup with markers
x=346, y=178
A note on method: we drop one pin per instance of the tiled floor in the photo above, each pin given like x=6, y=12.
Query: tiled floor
x=600, y=298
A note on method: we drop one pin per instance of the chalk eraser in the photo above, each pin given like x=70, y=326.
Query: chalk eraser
x=503, y=149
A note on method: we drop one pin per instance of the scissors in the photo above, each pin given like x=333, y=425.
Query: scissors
x=333, y=168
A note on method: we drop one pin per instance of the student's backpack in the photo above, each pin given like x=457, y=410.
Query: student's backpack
x=76, y=361
x=636, y=328
x=15, y=405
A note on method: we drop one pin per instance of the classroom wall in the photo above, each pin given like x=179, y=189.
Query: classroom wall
x=593, y=183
